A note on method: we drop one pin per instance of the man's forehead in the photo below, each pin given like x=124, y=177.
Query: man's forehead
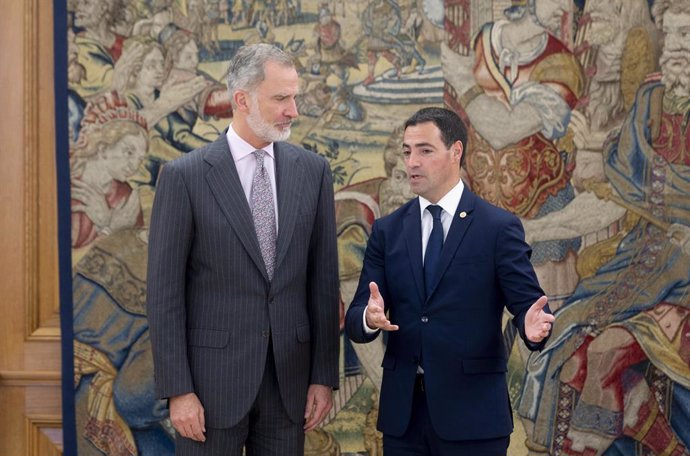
x=422, y=132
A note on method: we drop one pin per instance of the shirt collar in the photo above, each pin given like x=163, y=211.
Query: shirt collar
x=449, y=202
x=241, y=148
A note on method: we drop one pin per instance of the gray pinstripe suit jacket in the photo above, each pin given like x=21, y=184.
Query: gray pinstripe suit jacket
x=210, y=305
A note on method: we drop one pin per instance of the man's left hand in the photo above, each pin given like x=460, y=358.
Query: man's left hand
x=537, y=322
x=319, y=403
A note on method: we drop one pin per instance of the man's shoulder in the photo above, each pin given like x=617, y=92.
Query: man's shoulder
x=302, y=151
x=306, y=157
x=490, y=212
x=194, y=159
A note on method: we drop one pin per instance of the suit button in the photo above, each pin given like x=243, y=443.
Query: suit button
x=425, y=319
x=265, y=333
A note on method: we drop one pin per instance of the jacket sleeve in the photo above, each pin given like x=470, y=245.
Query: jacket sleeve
x=323, y=301
x=372, y=271
x=518, y=281
x=170, y=237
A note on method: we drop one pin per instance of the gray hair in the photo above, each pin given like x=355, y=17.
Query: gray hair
x=246, y=69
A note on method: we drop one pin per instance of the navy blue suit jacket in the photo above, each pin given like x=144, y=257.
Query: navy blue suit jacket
x=456, y=330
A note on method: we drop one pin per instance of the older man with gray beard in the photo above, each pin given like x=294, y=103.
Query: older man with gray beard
x=615, y=375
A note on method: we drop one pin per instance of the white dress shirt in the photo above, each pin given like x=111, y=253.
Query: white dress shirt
x=245, y=162
x=449, y=204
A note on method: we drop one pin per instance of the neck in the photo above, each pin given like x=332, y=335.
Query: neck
x=434, y=199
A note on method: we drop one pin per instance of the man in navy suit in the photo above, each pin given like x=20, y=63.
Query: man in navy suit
x=437, y=275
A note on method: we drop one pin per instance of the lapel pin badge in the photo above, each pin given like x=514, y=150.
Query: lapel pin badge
x=463, y=214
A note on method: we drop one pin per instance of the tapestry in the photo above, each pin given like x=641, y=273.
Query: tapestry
x=578, y=123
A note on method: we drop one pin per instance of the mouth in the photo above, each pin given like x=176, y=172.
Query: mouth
x=284, y=125
x=413, y=178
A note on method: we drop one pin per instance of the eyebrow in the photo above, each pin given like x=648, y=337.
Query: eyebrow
x=423, y=144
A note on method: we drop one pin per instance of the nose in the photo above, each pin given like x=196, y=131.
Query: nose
x=291, y=110
x=412, y=160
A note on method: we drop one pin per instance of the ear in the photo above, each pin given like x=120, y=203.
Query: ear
x=458, y=150
x=241, y=100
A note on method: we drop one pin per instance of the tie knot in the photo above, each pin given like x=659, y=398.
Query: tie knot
x=435, y=211
x=259, y=154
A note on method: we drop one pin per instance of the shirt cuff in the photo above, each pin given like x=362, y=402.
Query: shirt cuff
x=367, y=329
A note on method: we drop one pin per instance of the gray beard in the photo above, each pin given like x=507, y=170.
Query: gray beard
x=263, y=129
x=677, y=81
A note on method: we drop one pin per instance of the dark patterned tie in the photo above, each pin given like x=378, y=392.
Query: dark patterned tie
x=263, y=212
x=433, y=248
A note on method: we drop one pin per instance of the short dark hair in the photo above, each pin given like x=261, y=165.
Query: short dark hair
x=448, y=122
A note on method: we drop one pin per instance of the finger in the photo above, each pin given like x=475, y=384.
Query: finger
x=390, y=327
x=540, y=303
x=374, y=290
x=321, y=408
x=81, y=193
x=178, y=427
x=308, y=409
x=79, y=183
x=548, y=318
x=187, y=431
x=197, y=433
x=321, y=411
x=78, y=208
x=310, y=423
x=309, y=417
x=202, y=422
x=577, y=116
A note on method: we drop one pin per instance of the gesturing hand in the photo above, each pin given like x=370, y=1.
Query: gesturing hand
x=375, y=314
x=537, y=322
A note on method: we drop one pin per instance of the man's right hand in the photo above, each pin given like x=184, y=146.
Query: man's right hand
x=187, y=416
x=375, y=313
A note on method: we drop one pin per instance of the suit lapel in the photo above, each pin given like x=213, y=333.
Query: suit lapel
x=289, y=175
x=458, y=228
x=225, y=185
x=412, y=226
